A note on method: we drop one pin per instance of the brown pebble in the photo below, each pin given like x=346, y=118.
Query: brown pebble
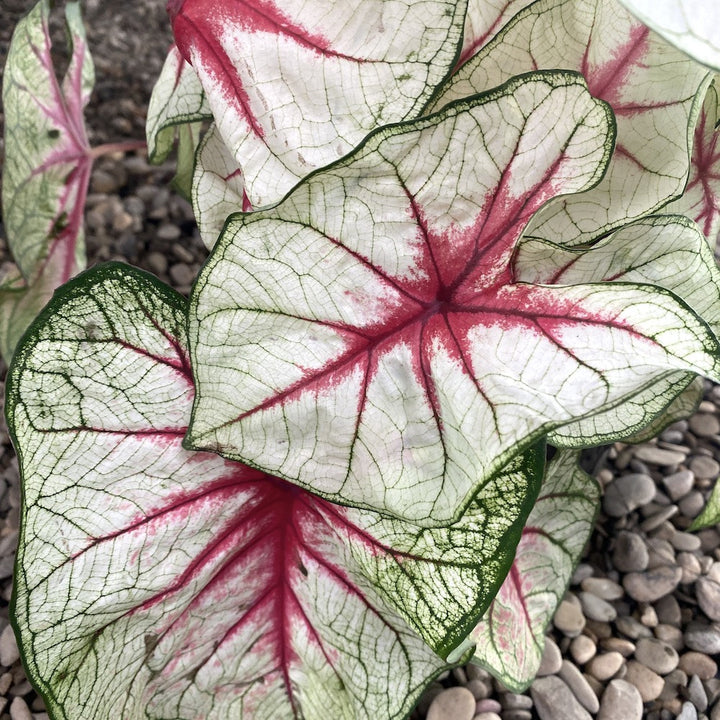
x=603, y=667
x=455, y=703
x=569, y=618
x=649, y=683
x=652, y=584
x=696, y=663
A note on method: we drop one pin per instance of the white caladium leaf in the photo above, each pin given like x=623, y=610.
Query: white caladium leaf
x=511, y=635
x=682, y=407
x=177, y=99
x=691, y=25
x=211, y=589
x=701, y=199
x=368, y=338
x=218, y=188
x=47, y=165
x=655, y=93
x=664, y=251
x=484, y=19
x=296, y=85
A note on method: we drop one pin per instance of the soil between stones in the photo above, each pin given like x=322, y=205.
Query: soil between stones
x=638, y=633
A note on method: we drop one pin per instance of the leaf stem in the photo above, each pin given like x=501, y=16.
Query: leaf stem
x=125, y=146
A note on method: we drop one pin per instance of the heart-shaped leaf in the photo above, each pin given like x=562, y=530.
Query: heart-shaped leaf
x=655, y=92
x=177, y=99
x=212, y=589
x=511, y=636
x=665, y=251
x=294, y=85
x=47, y=165
x=691, y=25
x=368, y=339
x=701, y=199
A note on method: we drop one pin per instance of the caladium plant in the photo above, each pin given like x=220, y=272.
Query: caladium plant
x=320, y=482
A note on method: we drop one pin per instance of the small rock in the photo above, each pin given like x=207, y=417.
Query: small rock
x=629, y=626
x=487, y=716
x=649, y=683
x=627, y=493
x=455, y=703
x=685, y=542
x=656, y=655
x=658, y=518
x=479, y=689
x=672, y=683
x=103, y=182
x=658, y=456
x=652, y=584
x=603, y=667
x=691, y=505
x=167, y=232
x=582, y=648
x=696, y=693
x=708, y=596
x=691, y=568
x=9, y=652
x=576, y=681
x=515, y=701
x=630, y=553
x=704, y=424
x=551, y=658
x=554, y=700
x=618, y=644
x=671, y=635
x=19, y=709
x=621, y=699
x=703, y=638
x=696, y=663
x=181, y=274
x=688, y=712
x=157, y=263
x=596, y=608
x=705, y=467
x=668, y=610
x=603, y=588
x=488, y=705
x=679, y=484
x=569, y=619
x=516, y=715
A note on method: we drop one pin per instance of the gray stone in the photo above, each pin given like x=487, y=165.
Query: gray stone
x=455, y=703
x=652, y=584
x=658, y=456
x=555, y=701
x=704, y=467
x=596, y=608
x=9, y=652
x=621, y=699
x=629, y=626
x=697, y=694
x=671, y=635
x=704, y=424
x=668, y=610
x=487, y=716
x=551, y=658
x=679, y=484
x=627, y=493
x=703, y=638
x=657, y=655
x=688, y=712
x=658, y=518
x=708, y=596
x=603, y=588
x=515, y=701
x=685, y=542
x=580, y=687
x=691, y=505
x=630, y=553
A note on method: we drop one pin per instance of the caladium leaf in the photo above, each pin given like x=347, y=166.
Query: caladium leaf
x=511, y=635
x=711, y=512
x=47, y=164
x=655, y=93
x=681, y=408
x=691, y=25
x=664, y=251
x=218, y=188
x=214, y=590
x=701, y=199
x=484, y=19
x=296, y=85
x=177, y=99
x=368, y=339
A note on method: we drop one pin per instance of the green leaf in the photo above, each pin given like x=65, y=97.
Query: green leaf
x=212, y=589
x=511, y=635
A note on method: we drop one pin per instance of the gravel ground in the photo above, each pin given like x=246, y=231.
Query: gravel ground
x=638, y=632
